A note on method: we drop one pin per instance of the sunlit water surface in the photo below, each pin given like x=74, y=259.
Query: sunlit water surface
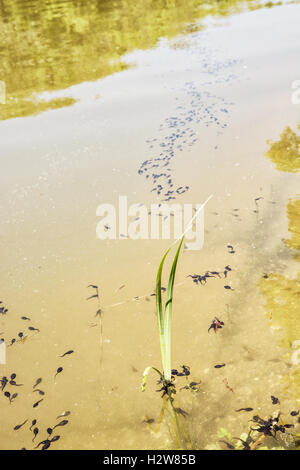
x=93, y=91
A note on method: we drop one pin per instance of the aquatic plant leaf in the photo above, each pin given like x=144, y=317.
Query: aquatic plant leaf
x=145, y=376
x=168, y=313
x=159, y=309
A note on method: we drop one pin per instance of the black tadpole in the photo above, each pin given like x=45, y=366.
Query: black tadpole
x=59, y=370
x=62, y=423
x=3, y=382
x=13, y=382
x=275, y=400
x=230, y=446
x=37, y=403
x=35, y=432
x=32, y=424
x=18, y=426
x=40, y=392
x=67, y=353
x=31, y=328
x=245, y=409
x=46, y=444
x=37, y=382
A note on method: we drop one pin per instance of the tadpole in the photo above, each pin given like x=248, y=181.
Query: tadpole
x=245, y=409
x=59, y=370
x=18, y=426
x=62, y=423
x=67, y=353
x=37, y=403
x=37, y=382
x=35, y=432
x=65, y=413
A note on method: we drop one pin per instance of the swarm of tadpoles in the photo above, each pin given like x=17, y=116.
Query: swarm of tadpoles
x=262, y=429
x=168, y=387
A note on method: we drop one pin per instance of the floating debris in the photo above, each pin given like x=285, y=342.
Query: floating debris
x=227, y=385
x=215, y=325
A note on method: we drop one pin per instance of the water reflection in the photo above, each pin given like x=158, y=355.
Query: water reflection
x=48, y=47
x=285, y=152
x=281, y=293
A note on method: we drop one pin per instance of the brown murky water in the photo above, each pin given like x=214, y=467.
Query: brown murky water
x=210, y=86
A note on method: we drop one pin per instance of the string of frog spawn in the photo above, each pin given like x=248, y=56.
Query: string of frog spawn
x=201, y=108
x=180, y=134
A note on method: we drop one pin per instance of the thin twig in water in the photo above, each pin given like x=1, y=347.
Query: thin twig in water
x=98, y=314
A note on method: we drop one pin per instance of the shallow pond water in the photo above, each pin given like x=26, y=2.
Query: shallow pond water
x=203, y=92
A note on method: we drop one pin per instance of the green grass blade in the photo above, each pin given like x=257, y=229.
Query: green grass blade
x=145, y=376
x=168, y=314
x=159, y=310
